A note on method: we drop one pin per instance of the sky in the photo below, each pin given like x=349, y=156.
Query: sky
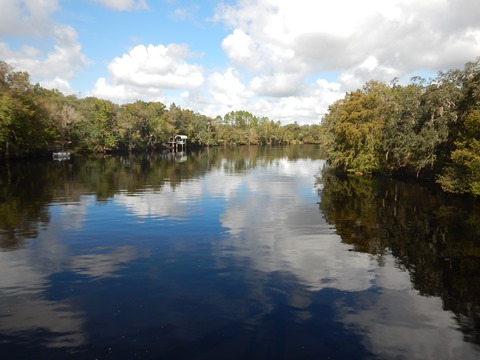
x=283, y=59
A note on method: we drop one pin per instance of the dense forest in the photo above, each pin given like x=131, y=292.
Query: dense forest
x=427, y=129
x=35, y=120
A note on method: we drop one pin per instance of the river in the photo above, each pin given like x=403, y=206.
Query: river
x=242, y=253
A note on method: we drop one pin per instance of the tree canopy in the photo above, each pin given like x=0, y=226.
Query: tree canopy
x=426, y=129
x=423, y=129
x=36, y=120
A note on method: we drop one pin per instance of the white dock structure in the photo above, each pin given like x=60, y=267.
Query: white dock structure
x=178, y=142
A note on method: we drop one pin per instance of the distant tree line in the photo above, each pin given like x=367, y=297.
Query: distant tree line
x=424, y=129
x=35, y=120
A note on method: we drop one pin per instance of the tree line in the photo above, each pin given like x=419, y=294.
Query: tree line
x=35, y=120
x=427, y=129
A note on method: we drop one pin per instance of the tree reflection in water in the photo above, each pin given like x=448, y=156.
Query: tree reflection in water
x=433, y=236
x=230, y=241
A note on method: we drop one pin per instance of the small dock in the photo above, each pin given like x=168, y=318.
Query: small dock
x=61, y=155
x=177, y=143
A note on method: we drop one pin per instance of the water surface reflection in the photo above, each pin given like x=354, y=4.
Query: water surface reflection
x=225, y=254
x=425, y=243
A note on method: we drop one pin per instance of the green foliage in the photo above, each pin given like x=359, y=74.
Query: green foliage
x=353, y=128
x=141, y=125
x=462, y=172
x=98, y=130
x=63, y=116
x=426, y=129
x=421, y=129
x=399, y=134
x=462, y=175
x=7, y=111
x=23, y=118
x=34, y=119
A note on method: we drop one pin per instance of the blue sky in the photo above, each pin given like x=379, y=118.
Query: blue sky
x=109, y=34
x=287, y=60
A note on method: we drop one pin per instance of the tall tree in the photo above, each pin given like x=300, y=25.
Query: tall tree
x=353, y=128
x=23, y=119
x=462, y=173
x=98, y=131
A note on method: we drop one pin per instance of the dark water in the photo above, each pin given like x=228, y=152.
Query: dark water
x=252, y=253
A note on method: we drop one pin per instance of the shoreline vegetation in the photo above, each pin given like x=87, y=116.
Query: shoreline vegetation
x=36, y=121
x=427, y=129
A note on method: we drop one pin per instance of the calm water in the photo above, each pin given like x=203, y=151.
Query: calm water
x=252, y=253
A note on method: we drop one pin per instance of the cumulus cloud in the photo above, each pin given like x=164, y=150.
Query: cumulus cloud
x=227, y=88
x=283, y=98
x=247, y=52
x=61, y=85
x=356, y=77
x=241, y=49
x=223, y=92
x=278, y=85
x=123, y=5
x=285, y=60
x=120, y=93
x=55, y=67
x=277, y=47
x=145, y=70
x=32, y=20
x=357, y=40
x=185, y=13
x=162, y=66
x=26, y=17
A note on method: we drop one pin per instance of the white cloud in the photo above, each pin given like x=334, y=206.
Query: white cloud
x=26, y=17
x=161, y=66
x=357, y=76
x=32, y=20
x=280, y=42
x=54, y=67
x=284, y=99
x=279, y=85
x=145, y=71
x=124, y=5
x=185, y=13
x=247, y=52
x=241, y=49
x=227, y=88
x=59, y=84
x=123, y=94
x=275, y=45
x=278, y=51
x=224, y=92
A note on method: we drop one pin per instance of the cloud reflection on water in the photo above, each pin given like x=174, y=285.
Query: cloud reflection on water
x=29, y=307
x=399, y=323
x=277, y=226
x=22, y=280
x=272, y=246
